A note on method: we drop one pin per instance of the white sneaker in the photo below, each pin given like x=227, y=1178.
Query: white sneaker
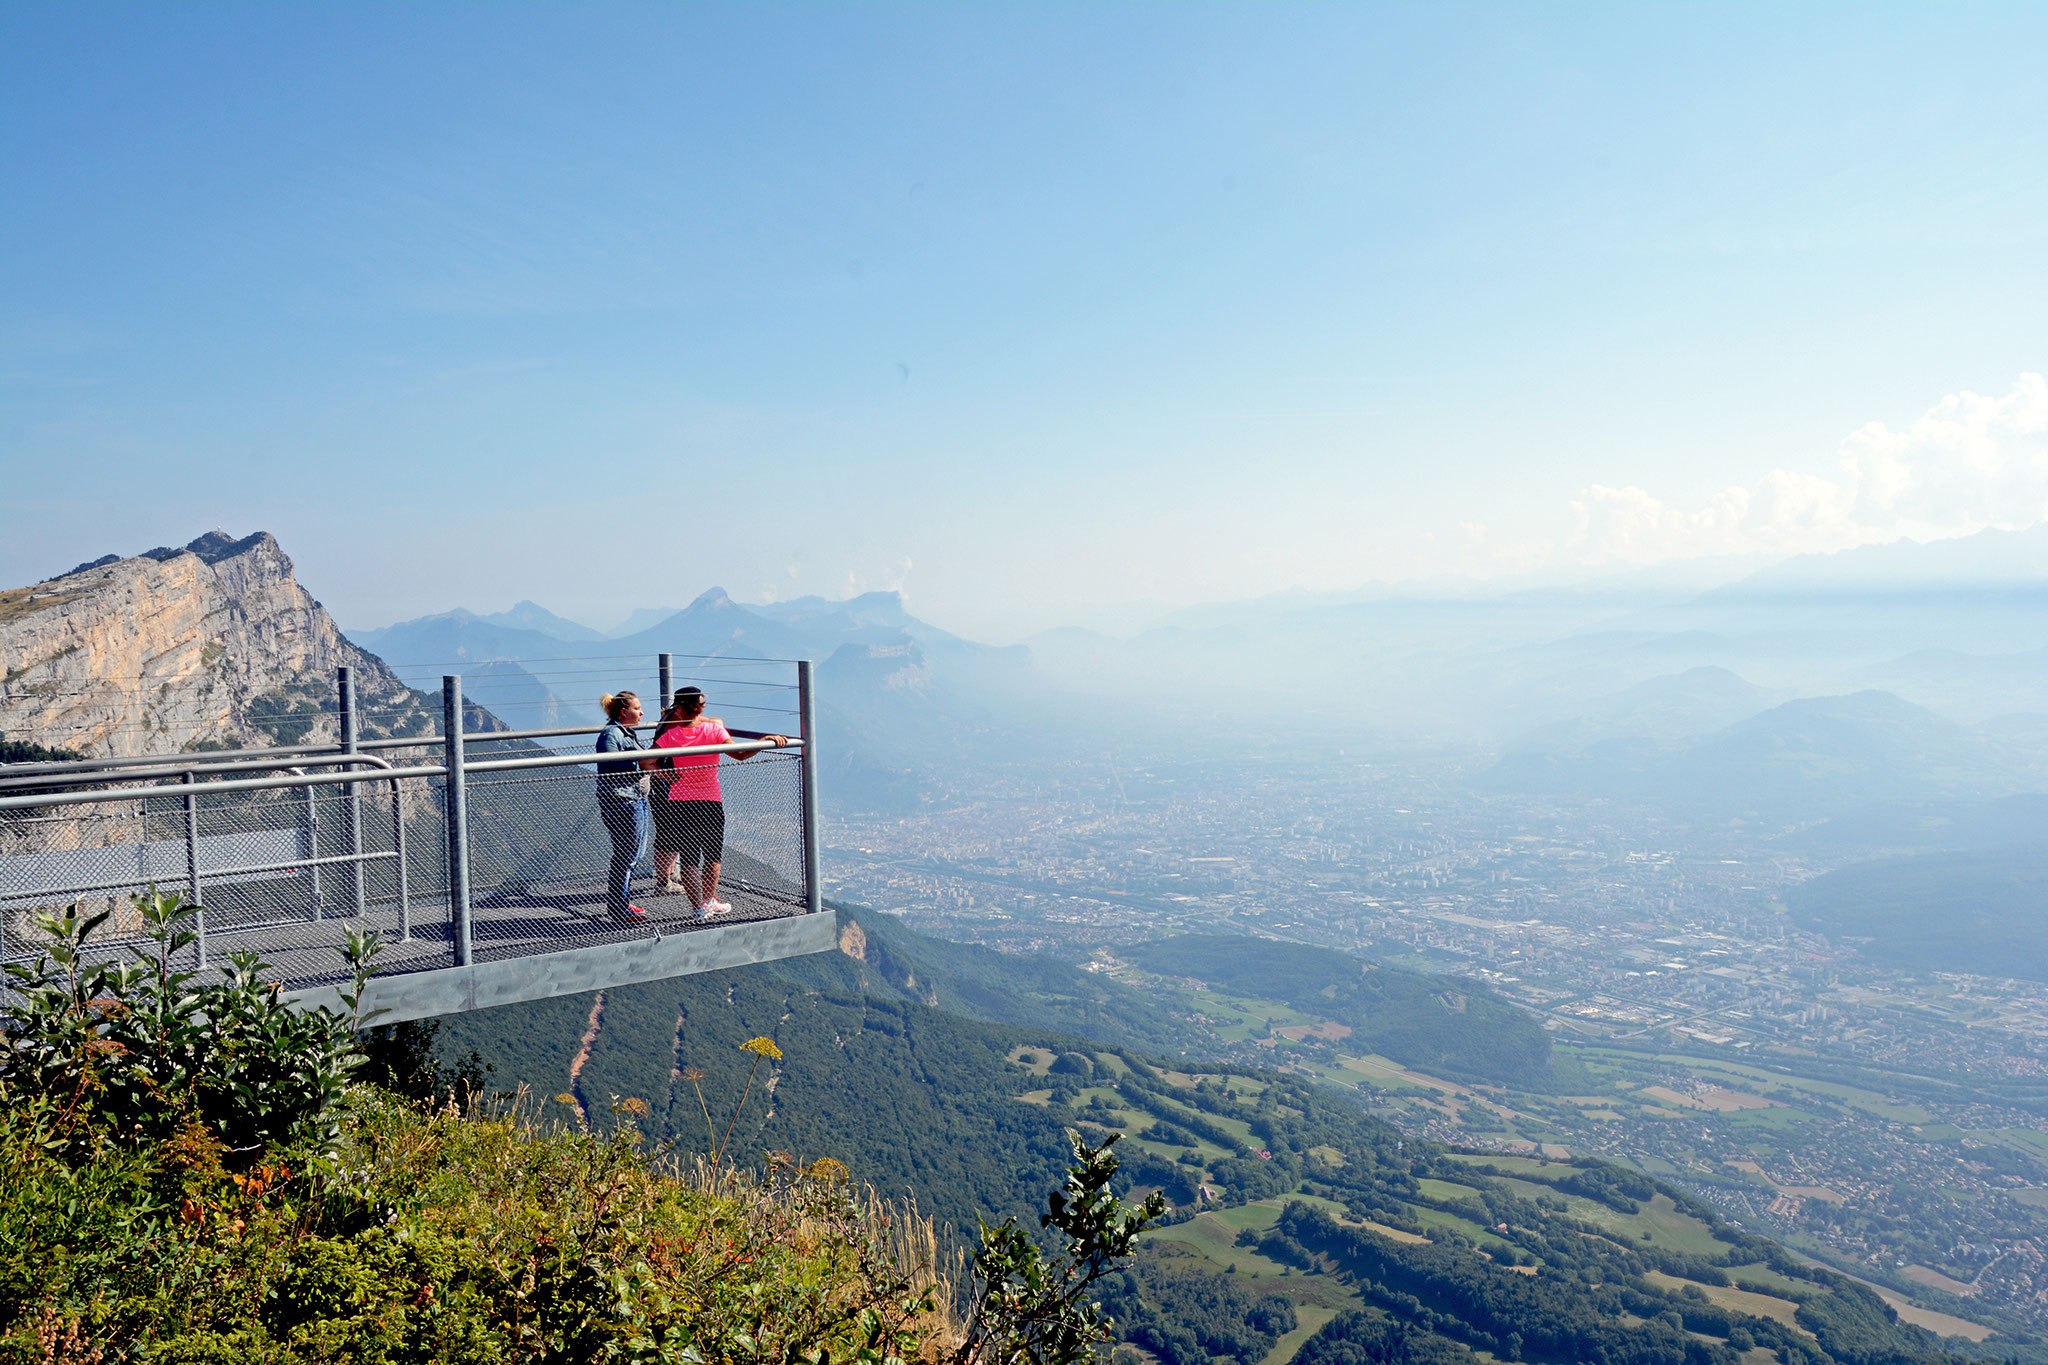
x=715, y=906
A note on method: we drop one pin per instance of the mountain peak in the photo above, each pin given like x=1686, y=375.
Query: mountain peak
x=212, y=643
x=711, y=599
x=530, y=615
x=215, y=546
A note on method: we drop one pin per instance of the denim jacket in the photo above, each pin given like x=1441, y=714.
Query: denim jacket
x=619, y=780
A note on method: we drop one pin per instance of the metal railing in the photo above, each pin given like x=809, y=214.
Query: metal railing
x=467, y=847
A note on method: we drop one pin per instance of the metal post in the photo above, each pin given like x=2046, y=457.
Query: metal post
x=398, y=842
x=667, y=664
x=458, y=817
x=313, y=844
x=807, y=765
x=192, y=865
x=345, y=687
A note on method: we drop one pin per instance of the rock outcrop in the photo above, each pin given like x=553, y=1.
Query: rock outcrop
x=207, y=647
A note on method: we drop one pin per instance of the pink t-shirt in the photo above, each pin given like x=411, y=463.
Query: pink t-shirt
x=696, y=774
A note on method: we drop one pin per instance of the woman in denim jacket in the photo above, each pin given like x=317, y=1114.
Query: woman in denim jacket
x=622, y=804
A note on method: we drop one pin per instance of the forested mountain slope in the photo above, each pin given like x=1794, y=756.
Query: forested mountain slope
x=1972, y=910
x=1454, y=1026
x=1299, y=1222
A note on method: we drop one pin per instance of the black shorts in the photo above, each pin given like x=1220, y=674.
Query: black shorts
x=693, y=829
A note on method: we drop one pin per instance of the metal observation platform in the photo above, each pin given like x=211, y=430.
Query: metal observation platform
x=479, y=858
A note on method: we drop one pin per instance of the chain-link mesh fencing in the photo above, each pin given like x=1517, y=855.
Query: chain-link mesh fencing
x=284, y=873
x=542, y=850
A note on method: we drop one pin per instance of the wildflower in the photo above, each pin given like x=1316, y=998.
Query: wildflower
x=693, y=1074
x=565, y=1098
x=635, y=1107
x=762, y=1047
x=828, y=1170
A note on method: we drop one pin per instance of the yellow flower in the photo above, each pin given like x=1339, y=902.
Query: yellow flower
x=826, y=1169
x=762, y=1047
x=693, y=1073
x=565, y=1098
x=636, y=1107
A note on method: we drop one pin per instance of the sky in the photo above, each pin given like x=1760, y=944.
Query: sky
x=1042, y=314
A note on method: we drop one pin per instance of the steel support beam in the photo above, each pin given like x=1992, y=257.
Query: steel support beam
x=192, y=865
x=807, y=720
x=345, y=687
x=458, y=817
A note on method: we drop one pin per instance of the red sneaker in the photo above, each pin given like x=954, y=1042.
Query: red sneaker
x=632, y=914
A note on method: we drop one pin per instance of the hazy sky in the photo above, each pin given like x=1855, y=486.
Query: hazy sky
x=1030, y=311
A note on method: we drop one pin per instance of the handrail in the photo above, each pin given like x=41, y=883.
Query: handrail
x=474, y=737
x=216, y=760
x=386, y=774
x=751, y=746
x=206, y=759
x=10, y=782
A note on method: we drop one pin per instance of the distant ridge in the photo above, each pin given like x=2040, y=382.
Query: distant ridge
x=533, y=616
x=1806, y=758
x=899, y=699
x=1989, y=561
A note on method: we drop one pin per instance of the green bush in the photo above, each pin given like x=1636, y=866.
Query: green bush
x=135, y=1051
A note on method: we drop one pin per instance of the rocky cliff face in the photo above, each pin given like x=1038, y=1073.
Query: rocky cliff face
x=211, y=646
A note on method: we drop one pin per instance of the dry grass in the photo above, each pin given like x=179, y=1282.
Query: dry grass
x=16, y=603
x=793, y=1252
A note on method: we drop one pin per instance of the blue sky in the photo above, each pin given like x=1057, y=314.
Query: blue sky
x=1035, y=312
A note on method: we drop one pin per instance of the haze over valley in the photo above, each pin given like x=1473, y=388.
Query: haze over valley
x=1761, y=858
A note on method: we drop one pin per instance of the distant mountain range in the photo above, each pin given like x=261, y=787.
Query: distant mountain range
x=1802, y=759
x=1959, y=627
x=2002, y=563
x=1901, y=673
x=897, y=696
x=1898, y=672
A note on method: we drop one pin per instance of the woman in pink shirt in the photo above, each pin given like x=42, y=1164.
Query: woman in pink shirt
x=689, y=827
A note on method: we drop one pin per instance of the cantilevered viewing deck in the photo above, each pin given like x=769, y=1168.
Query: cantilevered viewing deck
x=477, y=857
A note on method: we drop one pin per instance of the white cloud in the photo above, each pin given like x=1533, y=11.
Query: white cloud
x=1969, y=463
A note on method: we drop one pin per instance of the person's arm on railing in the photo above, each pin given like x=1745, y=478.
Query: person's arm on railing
x=780, y=741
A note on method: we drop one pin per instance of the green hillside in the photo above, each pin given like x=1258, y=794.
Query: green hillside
x=1455, y=1026
x=1978, y=910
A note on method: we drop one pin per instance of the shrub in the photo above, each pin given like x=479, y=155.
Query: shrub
x=135, y=1051
x=1028, y=1308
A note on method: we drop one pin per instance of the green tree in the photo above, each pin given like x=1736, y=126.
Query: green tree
x=1028, y=1308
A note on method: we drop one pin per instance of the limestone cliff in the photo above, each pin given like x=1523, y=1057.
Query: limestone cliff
x=211, y=646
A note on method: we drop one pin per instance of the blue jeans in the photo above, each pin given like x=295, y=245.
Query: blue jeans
x=627, y=823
